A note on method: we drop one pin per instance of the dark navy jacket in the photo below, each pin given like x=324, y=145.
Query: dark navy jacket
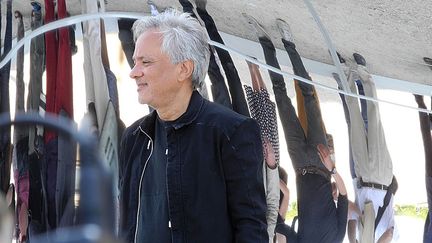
x=214, y=175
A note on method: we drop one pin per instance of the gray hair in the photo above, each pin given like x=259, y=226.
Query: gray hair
x=183, y=38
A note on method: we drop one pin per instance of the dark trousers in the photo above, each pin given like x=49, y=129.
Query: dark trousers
x=126, y=38
x=218, y=87
x=235, y=87
x=302, y=149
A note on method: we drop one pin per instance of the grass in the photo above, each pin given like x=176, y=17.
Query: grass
x=416, y=211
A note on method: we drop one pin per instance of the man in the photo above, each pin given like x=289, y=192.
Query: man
x=374, y=182
x=320, y=220
x=191, y=171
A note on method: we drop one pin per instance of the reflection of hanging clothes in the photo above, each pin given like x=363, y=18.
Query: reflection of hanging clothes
x=60, y=152
x=36, y=101
x=5, y=139
x=101, y=93
x=20, y=148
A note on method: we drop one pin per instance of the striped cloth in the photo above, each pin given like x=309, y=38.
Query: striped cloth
x=263, y=110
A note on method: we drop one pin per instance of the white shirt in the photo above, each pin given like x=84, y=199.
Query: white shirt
x=376, y=196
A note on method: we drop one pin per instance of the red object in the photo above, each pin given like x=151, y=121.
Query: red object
x=59, y=93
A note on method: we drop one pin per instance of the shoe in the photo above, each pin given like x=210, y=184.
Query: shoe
x=201, y=4
x=284, y=30
x=428, y=61
x=359, y=59
x=259, y=29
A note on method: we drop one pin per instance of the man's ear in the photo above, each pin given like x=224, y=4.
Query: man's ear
x=185, y=70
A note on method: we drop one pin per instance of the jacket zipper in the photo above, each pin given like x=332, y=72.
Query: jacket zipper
x=140, y=184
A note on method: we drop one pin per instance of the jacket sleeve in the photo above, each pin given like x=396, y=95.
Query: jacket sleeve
x=272, y=198
x=242, y=160
x=342, y=217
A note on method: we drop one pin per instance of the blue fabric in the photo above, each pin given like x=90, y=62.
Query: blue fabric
x=319, y=219
x=214, y=175
x=154, y=216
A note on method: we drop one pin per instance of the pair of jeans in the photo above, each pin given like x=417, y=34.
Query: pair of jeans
x=372, y=161
x=218, y=87
x=300, y=70
x=302, y=148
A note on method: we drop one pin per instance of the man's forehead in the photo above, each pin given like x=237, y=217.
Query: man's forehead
x=147, y=43
x=153, y=34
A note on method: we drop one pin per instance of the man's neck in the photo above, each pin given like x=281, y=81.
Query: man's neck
x=176, y=107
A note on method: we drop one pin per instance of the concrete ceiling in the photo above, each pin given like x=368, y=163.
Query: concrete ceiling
x=393, y=35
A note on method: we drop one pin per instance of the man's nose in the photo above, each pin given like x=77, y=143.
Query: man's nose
x=135, y=72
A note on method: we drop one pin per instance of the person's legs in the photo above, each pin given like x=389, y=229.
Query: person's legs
x=426, y=135
x=126, y=38
x=380, y=167
x=234, y=82
x=187, y=7
x=427, y=144
x=363, y=105
x=218, y=87
x=294, y=135
x=357, y=131
x=316, y=134
x=264, y=111
x=219, y=90
x=347, y=119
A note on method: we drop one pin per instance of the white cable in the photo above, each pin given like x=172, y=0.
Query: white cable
x=63, y=23
x=248, y=58
x=84, y=17
x=330, y=46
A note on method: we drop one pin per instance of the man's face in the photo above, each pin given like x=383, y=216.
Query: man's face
x=155, y=76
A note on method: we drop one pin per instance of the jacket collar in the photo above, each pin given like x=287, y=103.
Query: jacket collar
x=194, y=107
x=195, y=104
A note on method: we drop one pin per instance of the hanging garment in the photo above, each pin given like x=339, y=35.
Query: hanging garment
x=51, y=48
x=5, y=134
x=98, y=95
x=36, y=102
x=66, y=161
x=20, y=148
x=60, y=178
